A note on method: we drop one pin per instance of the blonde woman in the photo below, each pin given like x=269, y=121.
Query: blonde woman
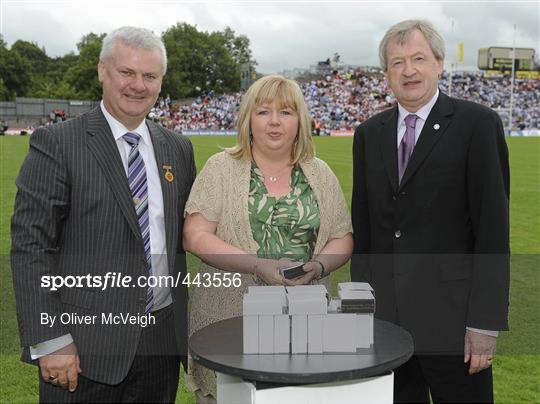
x=264, y=201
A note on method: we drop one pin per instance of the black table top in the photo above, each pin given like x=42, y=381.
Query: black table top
x=219, y=347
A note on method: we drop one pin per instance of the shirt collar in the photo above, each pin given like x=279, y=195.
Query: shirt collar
x=118, y=129
x=422, y=113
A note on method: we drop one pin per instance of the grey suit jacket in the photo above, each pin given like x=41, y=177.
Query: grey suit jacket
x=74, y=215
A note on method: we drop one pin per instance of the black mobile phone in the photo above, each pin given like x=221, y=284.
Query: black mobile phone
x=293, y=272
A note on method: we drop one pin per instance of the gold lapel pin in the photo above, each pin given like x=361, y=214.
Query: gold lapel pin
x=169, y=176
x=436, y=126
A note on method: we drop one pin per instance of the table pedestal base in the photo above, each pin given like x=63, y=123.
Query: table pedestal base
x=371, y=390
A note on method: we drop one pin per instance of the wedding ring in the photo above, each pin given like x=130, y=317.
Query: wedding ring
x=52, y=378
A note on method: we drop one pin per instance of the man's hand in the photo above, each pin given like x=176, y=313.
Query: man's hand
x=479, y=350
x=62, y=367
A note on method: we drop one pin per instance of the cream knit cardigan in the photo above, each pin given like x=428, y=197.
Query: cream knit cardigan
x=220, y=193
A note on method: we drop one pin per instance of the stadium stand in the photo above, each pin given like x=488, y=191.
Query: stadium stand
x=342, y=101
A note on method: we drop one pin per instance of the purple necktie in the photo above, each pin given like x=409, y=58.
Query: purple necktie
x=139, y=191
x=406, y=146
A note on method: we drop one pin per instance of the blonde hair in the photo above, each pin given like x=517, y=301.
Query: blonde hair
x=264, y=91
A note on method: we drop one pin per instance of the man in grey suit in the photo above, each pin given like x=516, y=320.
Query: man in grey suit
x=96, y=240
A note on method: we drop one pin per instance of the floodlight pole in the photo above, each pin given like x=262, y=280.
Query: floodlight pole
x=512, y=81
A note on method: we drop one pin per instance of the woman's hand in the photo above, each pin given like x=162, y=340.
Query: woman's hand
x=269, y=271
x=312, y=271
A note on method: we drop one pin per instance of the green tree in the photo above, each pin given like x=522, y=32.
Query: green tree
x=15, y=72
x=238, y=47
x=197, y=62
x=34, y=55
x=82, y=75
x=37, y=62
x=4, y=93
x=55, y=82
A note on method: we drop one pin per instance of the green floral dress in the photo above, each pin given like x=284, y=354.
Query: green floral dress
x=287, y=226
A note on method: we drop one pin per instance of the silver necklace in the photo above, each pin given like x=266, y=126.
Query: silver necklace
x=273, y=178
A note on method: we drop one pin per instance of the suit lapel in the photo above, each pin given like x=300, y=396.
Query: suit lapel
x=103, y=146
x=438, y=118
x=388, y=145
x=164, y=163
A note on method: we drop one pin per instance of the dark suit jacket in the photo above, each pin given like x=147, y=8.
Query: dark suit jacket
x=435, y=248
x=74, y=215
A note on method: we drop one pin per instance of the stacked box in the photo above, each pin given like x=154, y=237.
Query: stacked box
x=260, y=306
x=301, y=319
x=306, y=310
x=357, y=301
x=299, y=334
x=251, y=334
x=339, y=332
x=282, y=334
x=355, y=286
x=308, y=289
x=357, y=298
x=315, y=324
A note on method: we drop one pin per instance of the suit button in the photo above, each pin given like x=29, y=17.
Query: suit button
x=403, y=193
x=394, y=197
x=142, y=300
x=397, y=234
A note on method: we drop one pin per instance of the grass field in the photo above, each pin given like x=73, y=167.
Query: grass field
x=517, y=366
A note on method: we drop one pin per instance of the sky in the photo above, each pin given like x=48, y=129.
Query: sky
x=283, y=35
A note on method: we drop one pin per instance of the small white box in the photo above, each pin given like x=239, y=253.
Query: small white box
x=357, y=301
x=266, y=290
x=262, y=304
x=311, y=289
x=282, y=333
x=354, y=286
x=269, y=291
x=364, y=330
x=340, y=332
x=355, y=294
x=305, y=303
x=266, y=334
x=299, y=334
x=251, y=334
x=315, y=333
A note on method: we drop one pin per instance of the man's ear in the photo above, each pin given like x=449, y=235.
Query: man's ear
x=440, y=67
x=101, y=71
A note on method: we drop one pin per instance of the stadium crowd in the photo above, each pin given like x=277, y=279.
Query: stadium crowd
x=205, y=112
x=341, y=101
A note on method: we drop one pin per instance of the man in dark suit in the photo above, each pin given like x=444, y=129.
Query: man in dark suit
x=431, y=226
x=96, y=240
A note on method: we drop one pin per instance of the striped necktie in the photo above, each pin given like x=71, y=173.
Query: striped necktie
x=139, y=191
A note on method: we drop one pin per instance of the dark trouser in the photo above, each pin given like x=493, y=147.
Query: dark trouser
x=445, y=377
x=152, y=378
